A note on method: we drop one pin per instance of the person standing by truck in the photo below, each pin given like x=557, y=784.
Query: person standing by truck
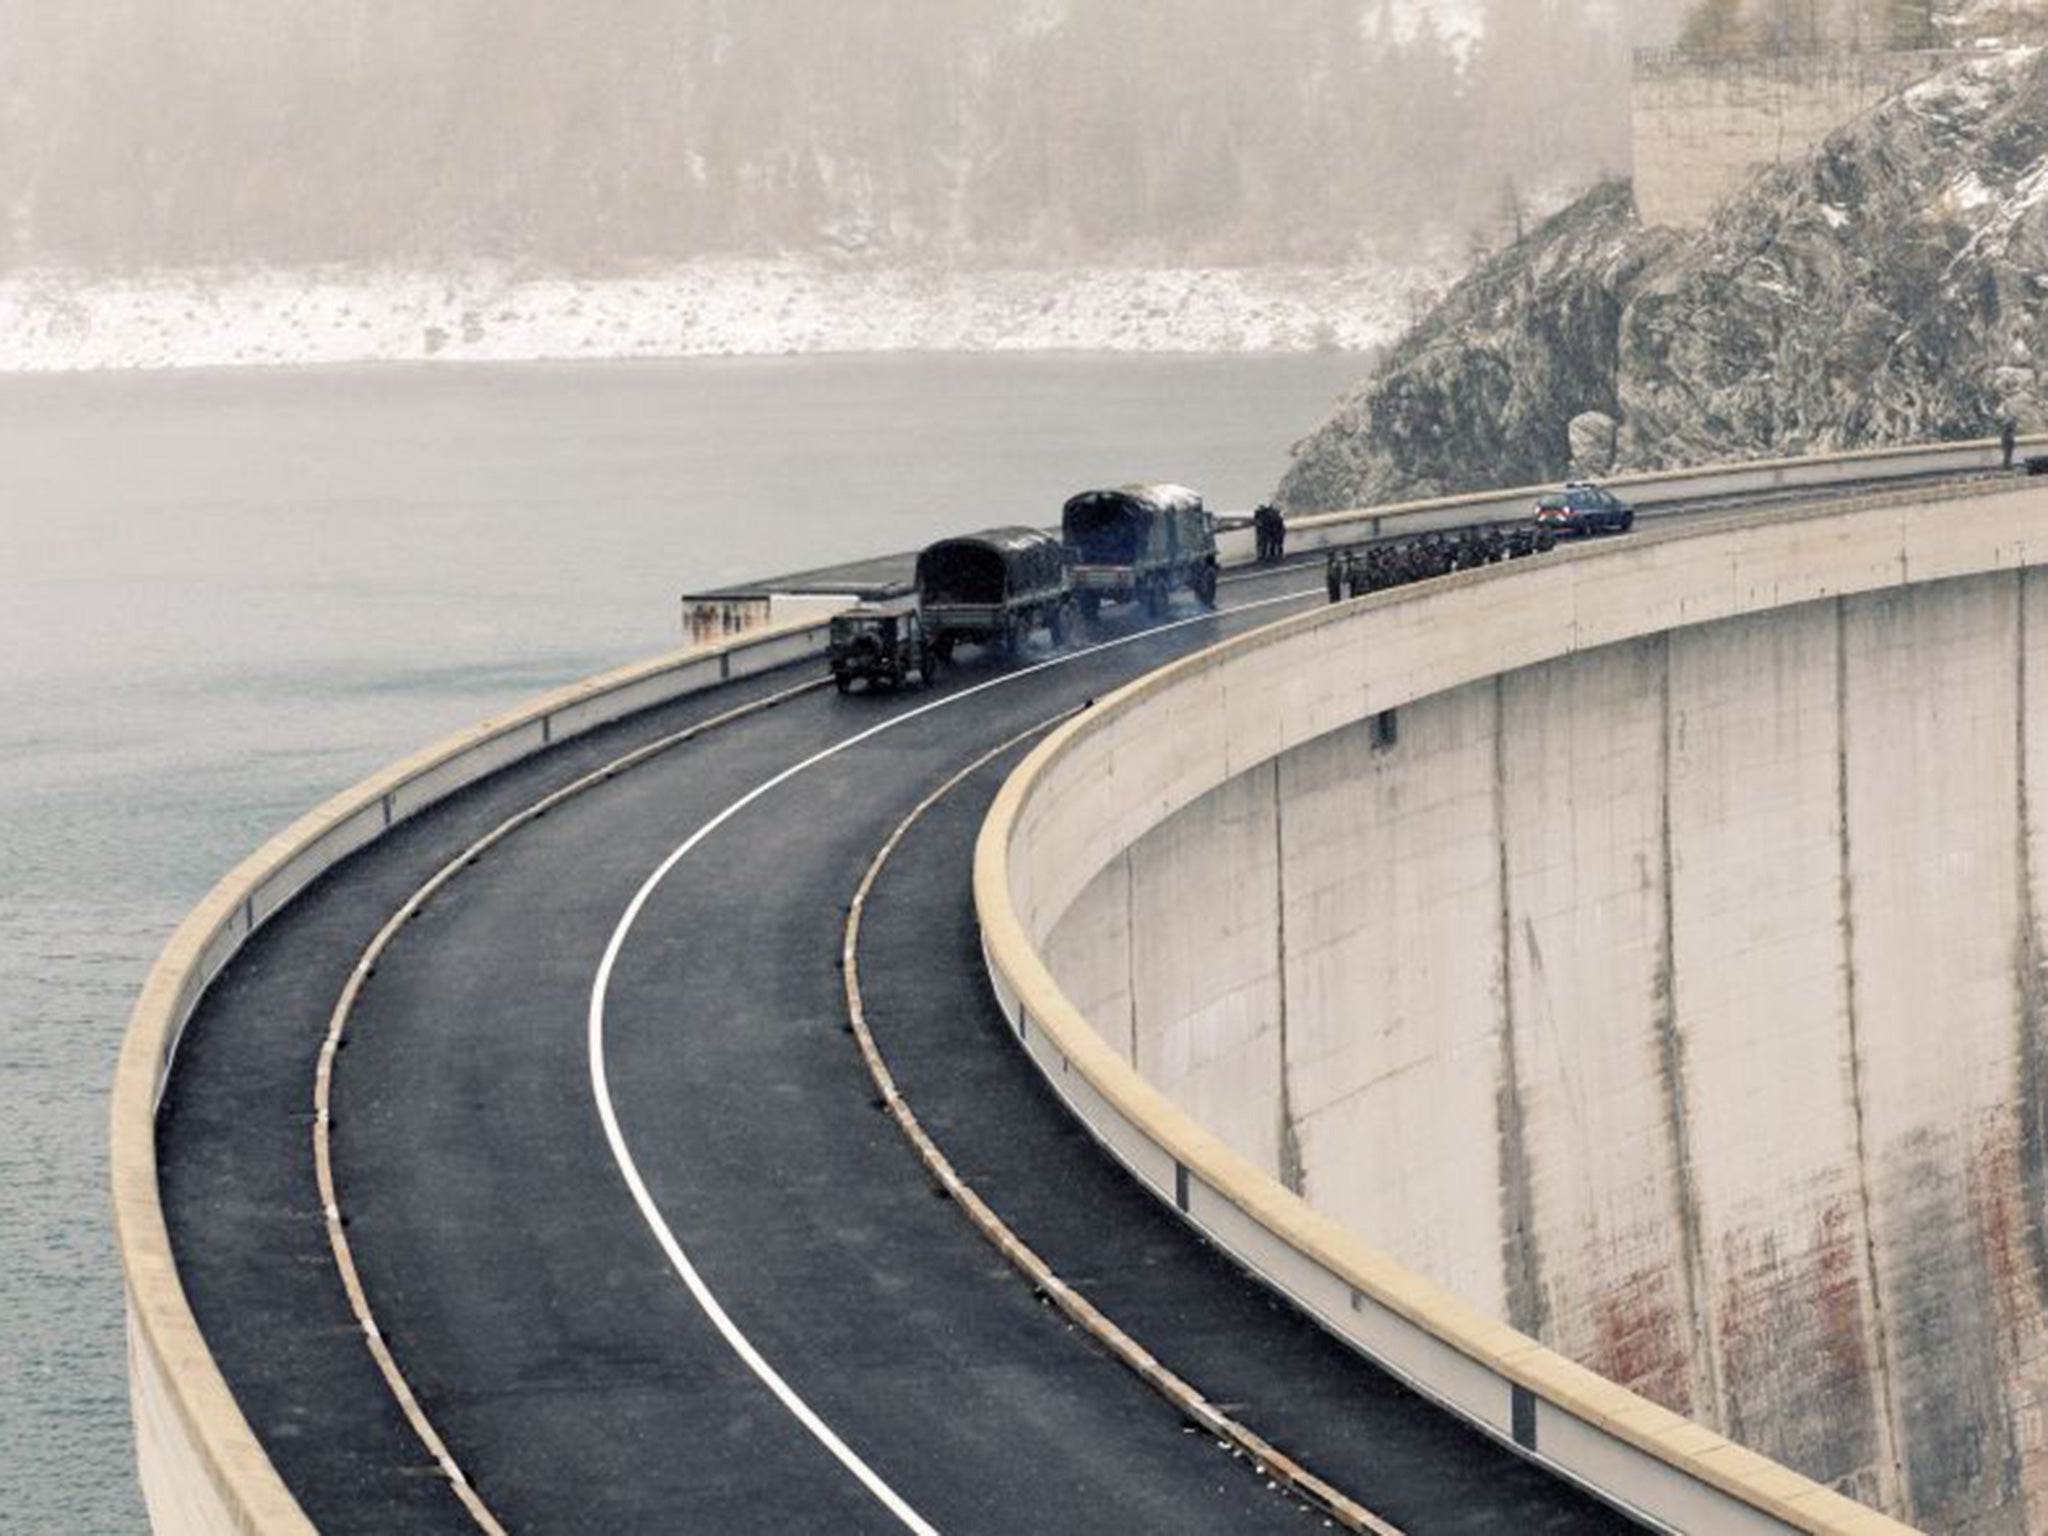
x=1269, y=530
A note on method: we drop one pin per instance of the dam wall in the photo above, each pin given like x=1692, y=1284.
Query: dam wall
x=1652, y=964
x=1669, y=1002
x=1703, y=124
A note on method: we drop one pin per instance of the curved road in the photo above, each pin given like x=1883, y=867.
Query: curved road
x=823, y=1340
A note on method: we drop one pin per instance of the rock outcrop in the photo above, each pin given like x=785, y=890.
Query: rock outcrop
x=1891, y=288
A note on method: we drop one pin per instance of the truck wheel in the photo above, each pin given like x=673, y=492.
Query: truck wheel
x=1205, y=586
x=844, y=683
x=928, y=668
x=943, y=649
x=1061, y=624
x=1091, y=607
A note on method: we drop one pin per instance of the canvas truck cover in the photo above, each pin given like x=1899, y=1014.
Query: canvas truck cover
x=1134, y=523
x=996, y=566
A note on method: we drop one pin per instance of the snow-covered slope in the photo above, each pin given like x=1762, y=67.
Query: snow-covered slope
x=1890, y=288
x=55, y=322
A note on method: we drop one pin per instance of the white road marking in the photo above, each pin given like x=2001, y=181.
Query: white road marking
x=600, y=1084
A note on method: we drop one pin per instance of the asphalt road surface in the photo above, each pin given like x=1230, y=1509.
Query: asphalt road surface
x=632, y=1223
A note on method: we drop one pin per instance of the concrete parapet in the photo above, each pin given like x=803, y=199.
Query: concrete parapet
x=1495, y=992
x=202, y=1468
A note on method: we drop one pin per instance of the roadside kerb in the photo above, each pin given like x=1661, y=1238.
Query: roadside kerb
x=201, y=1466
x=1103, y=780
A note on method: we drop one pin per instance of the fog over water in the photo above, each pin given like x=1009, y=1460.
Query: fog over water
x=594, y=137
x=226, y=595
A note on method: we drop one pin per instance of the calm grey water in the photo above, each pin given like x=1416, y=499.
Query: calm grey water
x=224, y=596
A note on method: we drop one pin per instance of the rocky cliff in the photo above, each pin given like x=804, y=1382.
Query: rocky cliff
x=1893, y=287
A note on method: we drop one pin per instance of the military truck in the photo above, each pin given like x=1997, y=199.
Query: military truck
x=883, y=642
x=1139, y=543
x=994, y=588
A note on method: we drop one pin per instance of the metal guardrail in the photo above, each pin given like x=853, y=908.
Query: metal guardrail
x=1657, y=494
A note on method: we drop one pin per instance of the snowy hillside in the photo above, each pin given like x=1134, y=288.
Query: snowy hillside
x=1887, y=289
x=49, y=322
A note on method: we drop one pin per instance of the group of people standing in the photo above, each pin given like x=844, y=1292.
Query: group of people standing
x=1392, y=563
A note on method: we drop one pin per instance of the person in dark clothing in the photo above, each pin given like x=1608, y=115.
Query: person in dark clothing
x=2008, y=439
x=1270, y=532
x=1333, y=574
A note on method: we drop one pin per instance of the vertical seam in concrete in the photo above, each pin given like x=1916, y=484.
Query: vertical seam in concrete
x=1521, y=1258
x=2033, y=983
x=1671, y=1073
x=1130, y=957
x=1291, y=1171
x=1899, y=1495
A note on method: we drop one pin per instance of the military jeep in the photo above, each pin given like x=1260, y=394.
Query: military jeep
x=884, y=643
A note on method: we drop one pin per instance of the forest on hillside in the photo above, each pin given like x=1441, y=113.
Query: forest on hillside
x=611, y=134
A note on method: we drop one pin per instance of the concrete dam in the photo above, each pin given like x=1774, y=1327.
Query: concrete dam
x=1602, y=992
x=1647, y=949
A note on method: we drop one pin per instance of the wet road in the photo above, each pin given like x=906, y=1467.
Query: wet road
x=630, y=1219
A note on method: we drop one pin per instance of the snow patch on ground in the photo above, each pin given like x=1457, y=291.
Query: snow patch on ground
x=1968, y=191
x=1965, y=95
x=52, y=322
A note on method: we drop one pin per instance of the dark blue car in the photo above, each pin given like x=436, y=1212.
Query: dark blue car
x=1582, y=509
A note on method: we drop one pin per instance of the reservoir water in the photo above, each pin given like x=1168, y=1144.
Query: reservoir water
x=226, y=595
